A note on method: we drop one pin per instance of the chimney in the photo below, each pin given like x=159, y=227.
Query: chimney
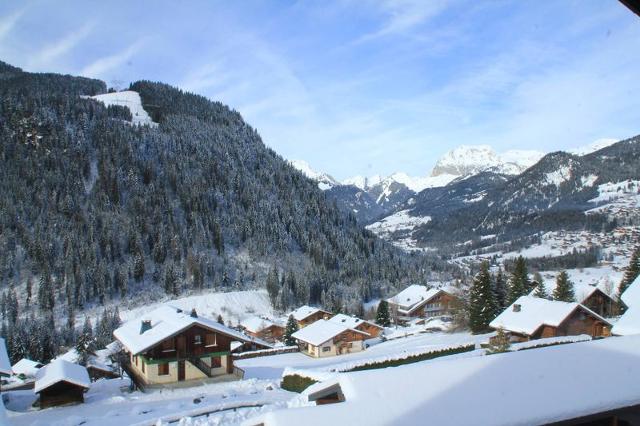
x=517, y=307
x=194, y=314
x=145, y=325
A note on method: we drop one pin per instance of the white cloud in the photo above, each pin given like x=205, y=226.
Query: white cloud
x=45, y=58
x=8, y=22
x=99, y=67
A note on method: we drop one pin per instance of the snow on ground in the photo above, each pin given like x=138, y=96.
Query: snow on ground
x=234, y=306
x=617, y=198
x=108, y=402
x=273, y=366
x=131, y=100
x=397, y=222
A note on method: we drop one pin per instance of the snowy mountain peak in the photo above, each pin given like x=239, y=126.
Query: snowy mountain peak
x=593, y=147
x=468, y=160
x=363, y=182
x=325, y=181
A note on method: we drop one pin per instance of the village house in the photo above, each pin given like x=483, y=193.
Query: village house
x=306, y=315
x=26, y=368
x=324, y=338
x=61, y=382
x=418, y=301
x=355, y=323
x=530, y=318
x=263, y=329
x=168, y=345
x=594, y=298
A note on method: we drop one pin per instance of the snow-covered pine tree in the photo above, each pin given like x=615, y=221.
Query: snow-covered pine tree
x=382, y=314
x=482, y=304
x=220, y=320
x=632, y=271
x=500, y=343
x=541, y=290
x=564, y=288
x=292, y=327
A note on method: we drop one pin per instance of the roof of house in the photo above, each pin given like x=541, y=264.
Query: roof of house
x=351, y=322
x=415, y=391
x=413, y=297
x=257, y=324
x=5, y=364
x=61, y=371
x=629, y=322
x=27, y=367
x=582, y=291
x=305, y=311
x=534, y=312
x=321, y=331
x=167, y=321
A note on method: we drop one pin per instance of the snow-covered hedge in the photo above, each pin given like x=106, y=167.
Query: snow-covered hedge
x=266, y=352
x=551, y=341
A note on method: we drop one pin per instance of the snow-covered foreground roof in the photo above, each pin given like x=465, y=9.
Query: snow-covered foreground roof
x=629, y=322
x=304, y=311
x=27, y=367
x=131, y=100
x=166, y=321
x=535, y=312
x=61, y=371
x=5, y=364
x=257, y=324
x=351, y=322
x=493, y=390
x=321, y=331
x=409, y=298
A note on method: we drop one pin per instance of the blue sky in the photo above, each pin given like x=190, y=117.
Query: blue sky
x=357, y=86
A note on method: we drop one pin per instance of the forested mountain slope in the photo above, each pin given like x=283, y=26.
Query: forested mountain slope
x=92, y=207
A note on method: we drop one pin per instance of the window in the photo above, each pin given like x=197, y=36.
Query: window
x=135, y=358
x=326, y=348
x=216, y=361
x=210, y=340
x=143, y=367
x=197, y=339
x=163, y=369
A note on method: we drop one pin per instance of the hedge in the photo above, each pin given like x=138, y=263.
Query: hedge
x=296, y=383
x=413, y=358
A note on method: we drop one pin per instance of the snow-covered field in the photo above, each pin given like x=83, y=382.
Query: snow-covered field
x=131, y=100
x=400, y=222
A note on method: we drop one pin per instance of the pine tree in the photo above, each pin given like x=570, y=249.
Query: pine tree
x=541, y=291
x=292, y=327
x=500, y=290
x=273, y=286
x=382, y=315
x=138, y=266
x=220, y=320
x=45, y=293
x=519, y=284
x=170, y=281
x=564, y=288
x=482, y=304
x=632, y=271
x=500, y=343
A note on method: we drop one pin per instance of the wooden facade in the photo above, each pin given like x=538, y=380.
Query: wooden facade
x=313, y=318
x=61, y=393
x=601, y=303
x=348, y=341
x=271, y=333
x=371, y=329
x=440, y=304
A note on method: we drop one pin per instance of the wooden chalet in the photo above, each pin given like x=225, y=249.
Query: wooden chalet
x=306, y=315
x=324, y=338
x=169, y=345
x=530, y=318
x=263, y=329
x=61, y=382
x=418, y=301
x=372, y=329
x=594, y=298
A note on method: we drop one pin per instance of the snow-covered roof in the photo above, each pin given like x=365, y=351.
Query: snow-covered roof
x=413, y=296
x=27, y=367
x=351, y=322
x=629, y=322
x=61, y=371
x=304, y=311
x=5, y=365
x=571, y=384
x=167, y=321
x=321, y=331
x=582, y=291
x=256, y=324
x=534, y=312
